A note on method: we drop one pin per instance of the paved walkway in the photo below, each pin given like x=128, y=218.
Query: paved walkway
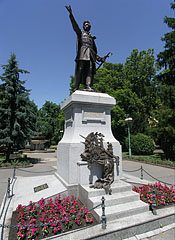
x=45, y=166
x=162, y=173
x=169, y=234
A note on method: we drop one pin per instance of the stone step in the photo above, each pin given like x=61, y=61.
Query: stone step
x=125, y=227
x=117, y=187
x=115, y=199
x=122, y=210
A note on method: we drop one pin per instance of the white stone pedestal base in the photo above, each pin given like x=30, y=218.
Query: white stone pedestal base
x=85, y=112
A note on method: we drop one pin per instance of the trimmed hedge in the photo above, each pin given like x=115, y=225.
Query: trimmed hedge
x=141, y=144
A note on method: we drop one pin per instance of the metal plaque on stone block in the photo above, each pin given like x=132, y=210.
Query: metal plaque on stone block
x=93, y=115
x=41, y=187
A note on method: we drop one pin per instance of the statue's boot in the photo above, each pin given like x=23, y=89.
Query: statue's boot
x=88, y=83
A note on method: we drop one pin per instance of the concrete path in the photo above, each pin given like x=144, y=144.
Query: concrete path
x=167, y=232
x=162, y=173
x=44, y=167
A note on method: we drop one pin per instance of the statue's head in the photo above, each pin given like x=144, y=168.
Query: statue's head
x=86, y=25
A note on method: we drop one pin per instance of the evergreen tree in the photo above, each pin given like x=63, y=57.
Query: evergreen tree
x=17, y=112
x=166, y=89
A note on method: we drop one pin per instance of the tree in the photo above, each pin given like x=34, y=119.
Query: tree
x=17, y=112
x=139, y=73
x=50, y=121
x=165, y=115
x=132, y=85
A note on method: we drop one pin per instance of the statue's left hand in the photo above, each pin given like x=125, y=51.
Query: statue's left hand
x=103, y=59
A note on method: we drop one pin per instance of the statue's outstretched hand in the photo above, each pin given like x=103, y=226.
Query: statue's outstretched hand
x=103, y=59
x=68, y=9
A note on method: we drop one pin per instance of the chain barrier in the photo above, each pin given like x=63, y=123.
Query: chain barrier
x=5, y=200
x=13, y=175
x=132, y=170
x=143, y=170
x=8, y=195
x=2, y=232
x=34, y=172
x=157, y=178
x=154, y=202
x=49, y=223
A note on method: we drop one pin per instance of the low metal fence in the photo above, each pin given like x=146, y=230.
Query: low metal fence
x=142, y=170
x=9, y=195
x=7, y=200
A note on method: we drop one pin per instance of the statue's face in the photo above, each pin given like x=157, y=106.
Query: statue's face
x=87, y=26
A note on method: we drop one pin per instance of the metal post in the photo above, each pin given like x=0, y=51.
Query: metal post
x=128, y=122
x=8, y=188
x=129, y=142
x=14, y=173
x=154, y=203
x=141, y=173
x=103, y=217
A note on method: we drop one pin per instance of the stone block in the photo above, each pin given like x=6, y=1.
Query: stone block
x=85, y=112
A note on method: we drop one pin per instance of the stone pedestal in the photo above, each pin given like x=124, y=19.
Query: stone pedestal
x=85, y=112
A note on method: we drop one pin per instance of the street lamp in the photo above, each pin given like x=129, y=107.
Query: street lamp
x=128, y=121
x=61, y=134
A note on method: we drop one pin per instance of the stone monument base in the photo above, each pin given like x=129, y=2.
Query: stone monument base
x=85, y=112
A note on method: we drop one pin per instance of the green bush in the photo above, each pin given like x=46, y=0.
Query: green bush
x=141, y=144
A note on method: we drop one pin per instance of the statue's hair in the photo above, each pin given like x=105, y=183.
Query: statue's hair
x=86, y=21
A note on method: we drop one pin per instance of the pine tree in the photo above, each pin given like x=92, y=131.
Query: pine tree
x=17, y=112
x=166, y=87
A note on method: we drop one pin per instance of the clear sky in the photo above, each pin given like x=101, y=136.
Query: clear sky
x=39, y=32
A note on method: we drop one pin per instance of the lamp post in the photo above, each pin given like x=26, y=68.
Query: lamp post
x=128, y=121
x=61, y=134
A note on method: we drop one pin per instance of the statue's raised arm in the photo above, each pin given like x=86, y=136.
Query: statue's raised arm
x=73, y=21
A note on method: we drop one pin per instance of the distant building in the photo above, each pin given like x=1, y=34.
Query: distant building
x=38, y=143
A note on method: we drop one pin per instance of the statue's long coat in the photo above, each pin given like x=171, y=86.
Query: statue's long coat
x=86, y=48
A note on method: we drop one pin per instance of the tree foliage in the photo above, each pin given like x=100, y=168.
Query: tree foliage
x=17, y=112
x=50, y=122
x=141, y=144
x=165, y=129
x=132, y=85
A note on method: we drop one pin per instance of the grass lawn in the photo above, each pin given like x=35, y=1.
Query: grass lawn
x=157, y=159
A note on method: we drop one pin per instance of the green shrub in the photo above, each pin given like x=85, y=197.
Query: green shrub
x=141, y=144
x=53, y=147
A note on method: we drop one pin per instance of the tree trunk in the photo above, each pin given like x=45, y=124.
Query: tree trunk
x=8, y=153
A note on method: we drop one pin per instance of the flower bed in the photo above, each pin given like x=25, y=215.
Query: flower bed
x=58, y=215
x=164, y=195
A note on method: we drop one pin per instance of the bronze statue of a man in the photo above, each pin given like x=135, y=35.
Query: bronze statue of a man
x=86, y=54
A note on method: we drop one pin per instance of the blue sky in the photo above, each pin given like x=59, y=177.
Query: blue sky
x=40, y=34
